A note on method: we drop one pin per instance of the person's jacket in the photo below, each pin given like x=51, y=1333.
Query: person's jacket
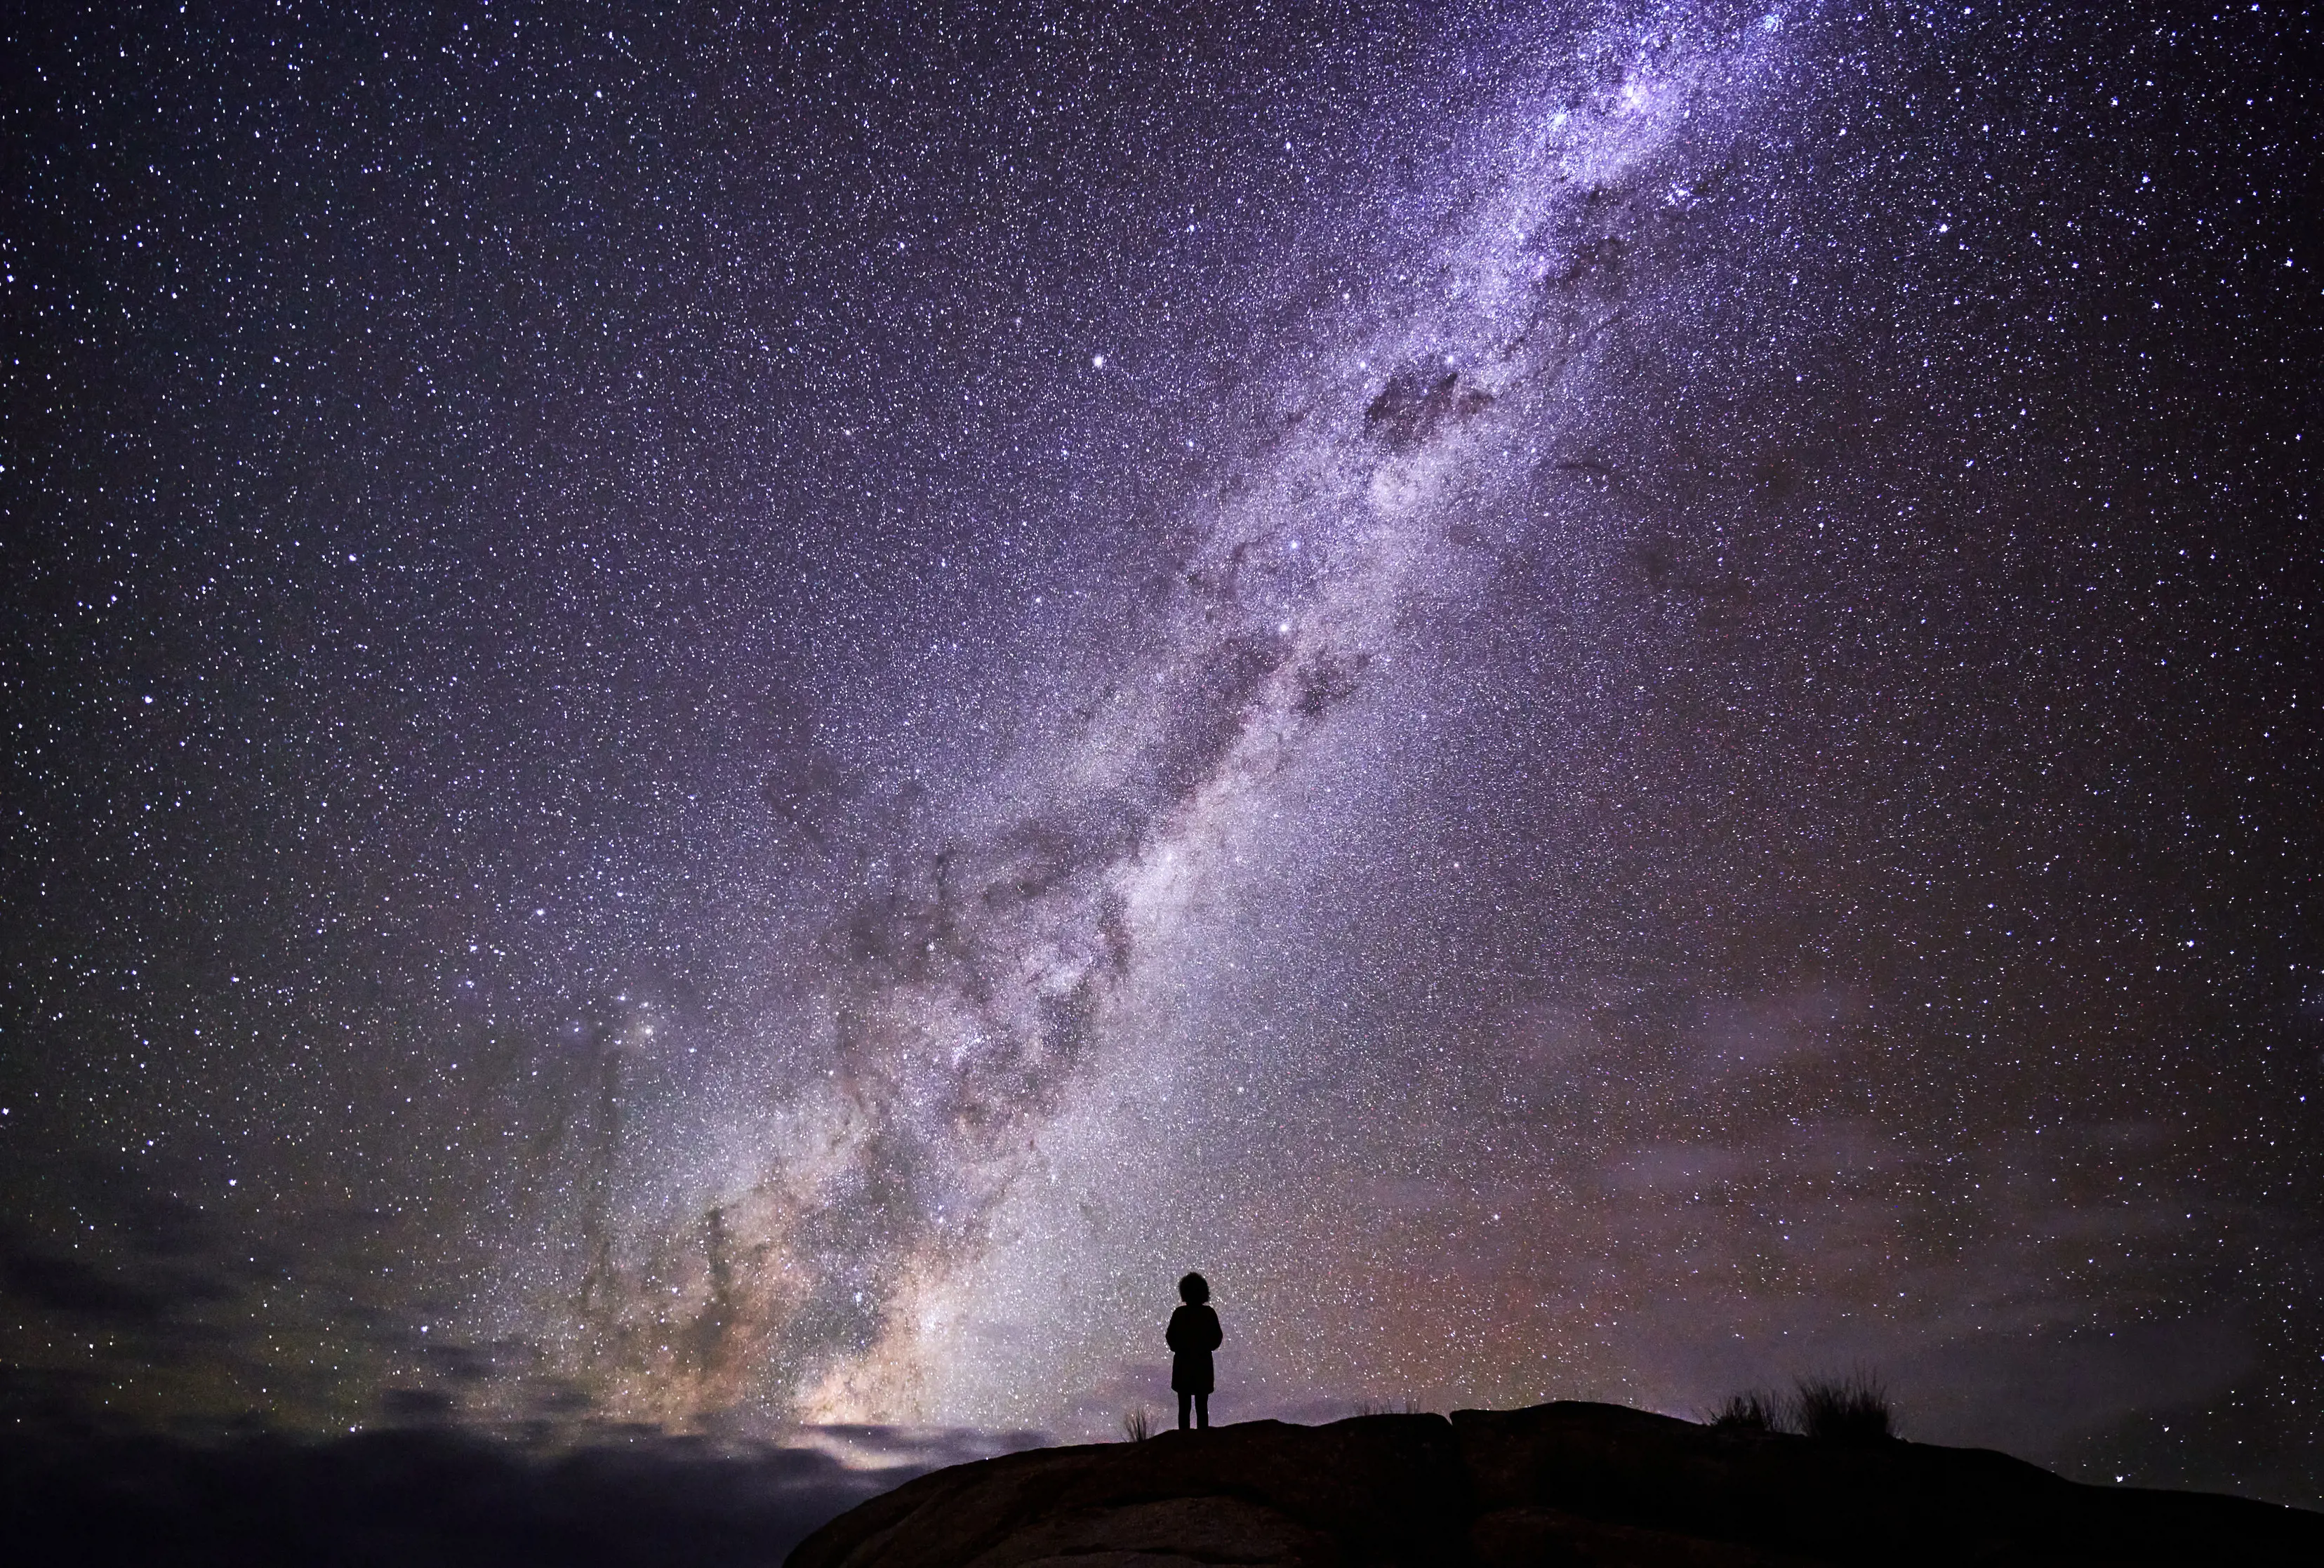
x=1193, y=1334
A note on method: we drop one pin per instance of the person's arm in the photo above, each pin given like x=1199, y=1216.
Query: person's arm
x=1170, y=1334
x=1217, y=1335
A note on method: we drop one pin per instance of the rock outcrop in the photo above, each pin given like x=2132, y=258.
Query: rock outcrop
x=1568, y=1483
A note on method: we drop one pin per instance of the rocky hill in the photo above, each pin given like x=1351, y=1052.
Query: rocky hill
x=1557, y=1484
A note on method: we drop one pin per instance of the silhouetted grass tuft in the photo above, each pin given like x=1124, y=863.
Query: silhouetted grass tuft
x=1846, y=1408
x=1138, y=1426
x=1853, y=1408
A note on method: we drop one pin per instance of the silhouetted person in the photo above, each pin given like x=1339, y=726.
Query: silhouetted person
x=1194, y=1335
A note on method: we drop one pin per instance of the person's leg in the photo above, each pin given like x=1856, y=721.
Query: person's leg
x=1203, y=1410
x=1185, y=1402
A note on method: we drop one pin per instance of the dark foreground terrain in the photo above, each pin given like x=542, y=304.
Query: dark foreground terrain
x=1557, y=1484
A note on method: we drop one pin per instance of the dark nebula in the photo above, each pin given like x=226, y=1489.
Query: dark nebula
x=728, y=724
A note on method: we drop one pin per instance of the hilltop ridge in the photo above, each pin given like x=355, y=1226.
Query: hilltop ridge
x=1564, y=1483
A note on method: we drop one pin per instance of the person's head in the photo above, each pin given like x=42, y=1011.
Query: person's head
x=1194, y=1290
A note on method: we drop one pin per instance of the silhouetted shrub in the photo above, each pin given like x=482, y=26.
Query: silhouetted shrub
x=1138, y=1426
x=1853, y=1408
x=1749, y=1411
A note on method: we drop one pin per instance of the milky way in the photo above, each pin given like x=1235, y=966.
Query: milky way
x=741, y=722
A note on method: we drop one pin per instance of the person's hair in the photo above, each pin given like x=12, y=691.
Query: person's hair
x=1194, y=1290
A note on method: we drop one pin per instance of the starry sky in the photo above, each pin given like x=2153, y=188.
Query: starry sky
x=737, y=719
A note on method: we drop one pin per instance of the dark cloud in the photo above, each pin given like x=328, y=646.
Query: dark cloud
x=40, y=1278
x=433, y=1496
x=1415, y=403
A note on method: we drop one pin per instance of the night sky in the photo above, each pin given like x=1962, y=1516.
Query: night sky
x=739, y=720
